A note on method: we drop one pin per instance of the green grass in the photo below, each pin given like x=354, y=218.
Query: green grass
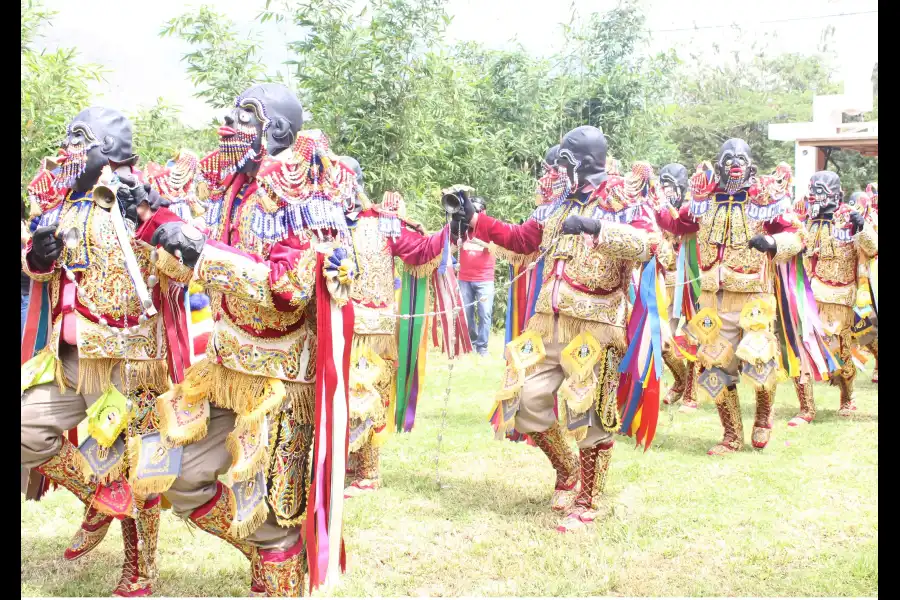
x=799, y=519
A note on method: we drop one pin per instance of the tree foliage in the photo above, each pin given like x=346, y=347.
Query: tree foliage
x=159, y=134
x=223, y=63
x=421, y=114
x=54, y=88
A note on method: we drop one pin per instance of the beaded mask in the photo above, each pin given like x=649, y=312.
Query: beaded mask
x=734, y=165
x=80, y=140
x=824, y=194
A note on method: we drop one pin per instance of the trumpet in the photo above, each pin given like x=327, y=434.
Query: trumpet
x=51, y=163
x=452, y=203
x=453, y=199
x=104, y=192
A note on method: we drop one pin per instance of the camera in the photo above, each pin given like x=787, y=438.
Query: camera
x=453, y=202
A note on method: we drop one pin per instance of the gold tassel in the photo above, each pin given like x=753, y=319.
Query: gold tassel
x=568, y=328
x=384, y=345
x=228, y=389
x=258, y=461
x=60, y=376
x=94, y=374
x=735, y=301
x=88, y=475
x=731, y=301
x=242, y=529
x=256, y=408
x=168, y=429
x=302, y=397
x=516, y=260
x=423, y=270
x=147, y=374
x=708, y=300
x=172, y=267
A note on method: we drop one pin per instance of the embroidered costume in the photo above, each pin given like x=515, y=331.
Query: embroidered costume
x=682, y=281
x=840, y=243
x=98, y=316
x=268, y=404
x=380, y=233
x=575, y=340
x=743, y=223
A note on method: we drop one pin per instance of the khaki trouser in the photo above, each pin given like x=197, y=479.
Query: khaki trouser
x=202, y=463
x=535, y=412
x=732, y=333
x=48, y=413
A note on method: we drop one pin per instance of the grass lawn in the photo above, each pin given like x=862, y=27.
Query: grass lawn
x=798, y=519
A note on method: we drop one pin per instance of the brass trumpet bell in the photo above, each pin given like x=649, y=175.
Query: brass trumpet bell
x=105, y=194
x=453, y=199
x=452, y=203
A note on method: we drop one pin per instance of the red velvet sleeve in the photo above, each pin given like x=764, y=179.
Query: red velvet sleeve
x=521, y=239
x=416, y=249
x=284, y=282
x=162, y=216
x=682, y=225
x=781, y=225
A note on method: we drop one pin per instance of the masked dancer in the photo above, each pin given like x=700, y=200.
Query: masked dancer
x=97, y=316
x=381, y=232
x=591, y=235
x=840, y=244
x=743, y=222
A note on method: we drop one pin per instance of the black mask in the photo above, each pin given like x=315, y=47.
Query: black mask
x=824, y=194
x=673, y=179
x=551, y=156
x=734, y=165
x=583, y=154
x=95, y=137
x=855, y=198
x=267, y=112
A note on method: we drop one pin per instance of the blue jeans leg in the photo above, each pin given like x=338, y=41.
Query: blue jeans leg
x=484, y=289
x=467, y=290
x=24, y=313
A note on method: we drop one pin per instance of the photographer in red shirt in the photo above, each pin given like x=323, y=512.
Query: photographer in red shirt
x=476, y=283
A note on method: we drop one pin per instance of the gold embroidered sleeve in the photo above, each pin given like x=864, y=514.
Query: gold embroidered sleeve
x=297, y=285
x=235, y=275
x=788, y=244
x=35, y=275
x=867, y=240
x=173, y=268
x=623, y=241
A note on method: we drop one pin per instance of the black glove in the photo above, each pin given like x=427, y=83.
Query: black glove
x=130, y=195
x=574, y=224
x=180, y=237
x=45, y=248
x=857, y=222
x=459, y=224
x=762, y=243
